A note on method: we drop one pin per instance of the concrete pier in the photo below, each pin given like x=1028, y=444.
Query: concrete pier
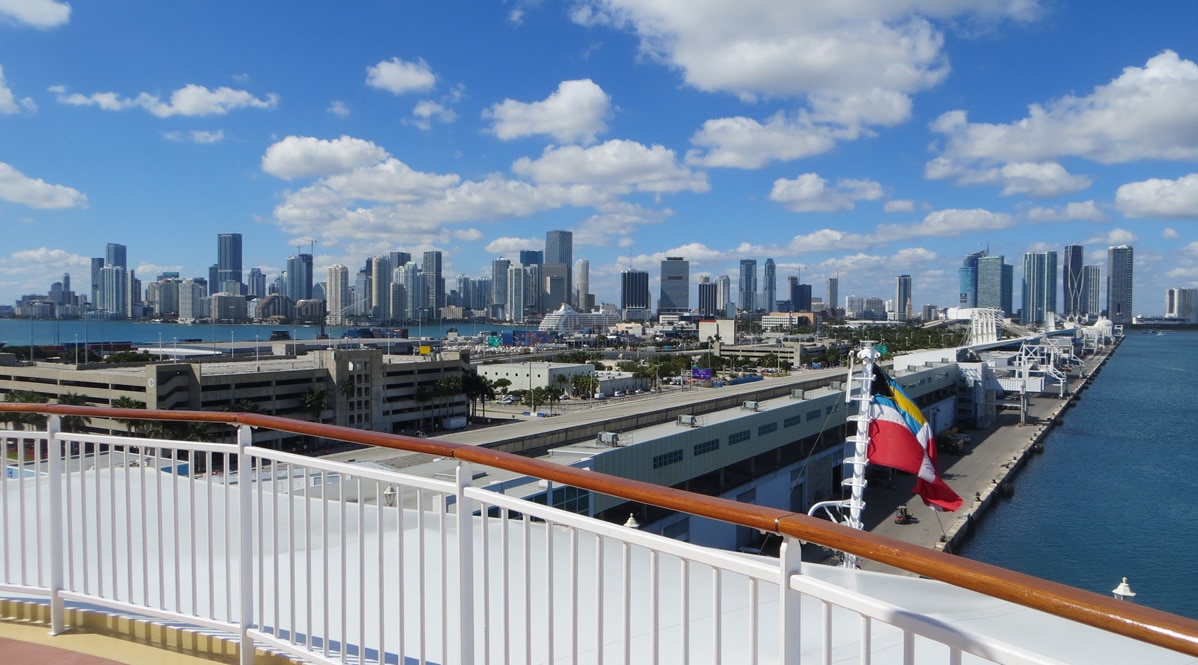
x=984, y=474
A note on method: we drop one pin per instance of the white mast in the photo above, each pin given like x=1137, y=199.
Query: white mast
x=860, y=392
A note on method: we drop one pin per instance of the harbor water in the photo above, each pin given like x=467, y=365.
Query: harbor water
x=1115, y=493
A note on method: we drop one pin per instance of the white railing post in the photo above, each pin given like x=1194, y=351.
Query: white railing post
x=245, y=439
x=790, y=560
x=54, y=449
x=465, y=545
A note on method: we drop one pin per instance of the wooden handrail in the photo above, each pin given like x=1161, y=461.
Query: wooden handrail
x=1141, y=623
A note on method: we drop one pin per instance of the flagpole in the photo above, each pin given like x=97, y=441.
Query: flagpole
x=860, y=387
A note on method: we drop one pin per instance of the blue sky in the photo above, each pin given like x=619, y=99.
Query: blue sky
x=869, y=138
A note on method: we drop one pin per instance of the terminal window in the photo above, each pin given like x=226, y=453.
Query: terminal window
x=707, y=447
x=739, y=437
x=767, y=429
x=672, y=457
x=792, y=421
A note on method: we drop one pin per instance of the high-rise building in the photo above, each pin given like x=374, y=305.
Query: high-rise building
x=532, y=257
x=769, y=289
x=1092, y=291
x=675, y=290
x=256, y=288
x=559, y=251
x=634, y=294
x=115, y=255
x=299, y=277
x=518, y=283
x=902, y=298
x=708, y=297
x=582, y=286
x=499, y=297
x=97, y=267
x=228, y=261
x=1039, y=286
x=408, y=302
x=1182, y=304
x=832, y=301
x=995, y=284
x=1120, y=261
x=434, y=282
x=337, y=292
x=555, y=289
x=380, y=289
x=969, y=280
x=723, y=296
x=1072, y=275
x=747, y=288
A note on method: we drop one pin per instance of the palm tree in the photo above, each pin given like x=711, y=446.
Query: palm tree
x=314, y=402
x=132, y=425
x=34, y=420
x=74, y=423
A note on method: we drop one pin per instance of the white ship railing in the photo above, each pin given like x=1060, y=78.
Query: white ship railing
x=338, y=563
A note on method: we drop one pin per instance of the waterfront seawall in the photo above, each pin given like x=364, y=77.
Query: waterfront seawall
x=983, y=475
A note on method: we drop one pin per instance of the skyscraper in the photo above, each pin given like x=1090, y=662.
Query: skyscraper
x=995, y=284
x=299, y=277
x=902, y=298
x=969, y=280
x=256, y=288
x=708, y=297
x=1120, y=261
x=832, y=301
x=114, y=255
x=675, y=286
x=434, y=282
x=337, y=292
x=1092, y=291
x=634, y=294
x=380, y=289
x=582, y=285
x=747, y=288
x=228, y=262
x=723, y=294
x=1072, y=276
x=555, y=289
x=559, y=263
x=1039, y=286
x=499, y=297
x=769, y=289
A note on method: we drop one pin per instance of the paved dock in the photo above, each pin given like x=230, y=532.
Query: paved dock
x=987, y=468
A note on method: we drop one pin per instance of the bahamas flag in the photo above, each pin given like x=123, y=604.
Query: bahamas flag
x=899, y=437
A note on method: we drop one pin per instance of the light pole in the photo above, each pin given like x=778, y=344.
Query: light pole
x=76, y=348
x=257, y=367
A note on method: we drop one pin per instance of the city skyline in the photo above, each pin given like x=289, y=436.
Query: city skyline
x=976, y=125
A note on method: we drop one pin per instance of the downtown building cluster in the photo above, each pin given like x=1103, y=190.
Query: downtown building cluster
x=400, y=288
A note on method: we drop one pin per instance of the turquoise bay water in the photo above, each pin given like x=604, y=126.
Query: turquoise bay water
x=1115, y=493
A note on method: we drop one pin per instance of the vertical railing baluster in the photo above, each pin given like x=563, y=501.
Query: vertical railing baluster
x=465, y=572
x=789, y=627
x=343, y=550
x=717, y=615
x=754, y=628
x=245, y=440
x=825, y=646
x=908, y=648
x=654, y=624
x=551, y=616
x=684, y=611
x=145, y=528
x=866, y=654
x=527, y=576
x=626, y=581
x=361, y=574
x=599, y=591
x=484, y=519
x=380, y=551
x=574, y=601
x=422, y=599
x=128, y=500
x=54, y=449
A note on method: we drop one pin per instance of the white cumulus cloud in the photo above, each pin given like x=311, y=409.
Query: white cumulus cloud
x=196, y=136
x=305, y=156
x=9, y=104
x=190, y=100
x=1080, y=210
x=16, y=187
x=1176, y=199
x=35, y=13
x=616, y=165
x=1144, y=113
x=811, y=193
x=741, y=142
x=399, y=76
x=576, y=112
